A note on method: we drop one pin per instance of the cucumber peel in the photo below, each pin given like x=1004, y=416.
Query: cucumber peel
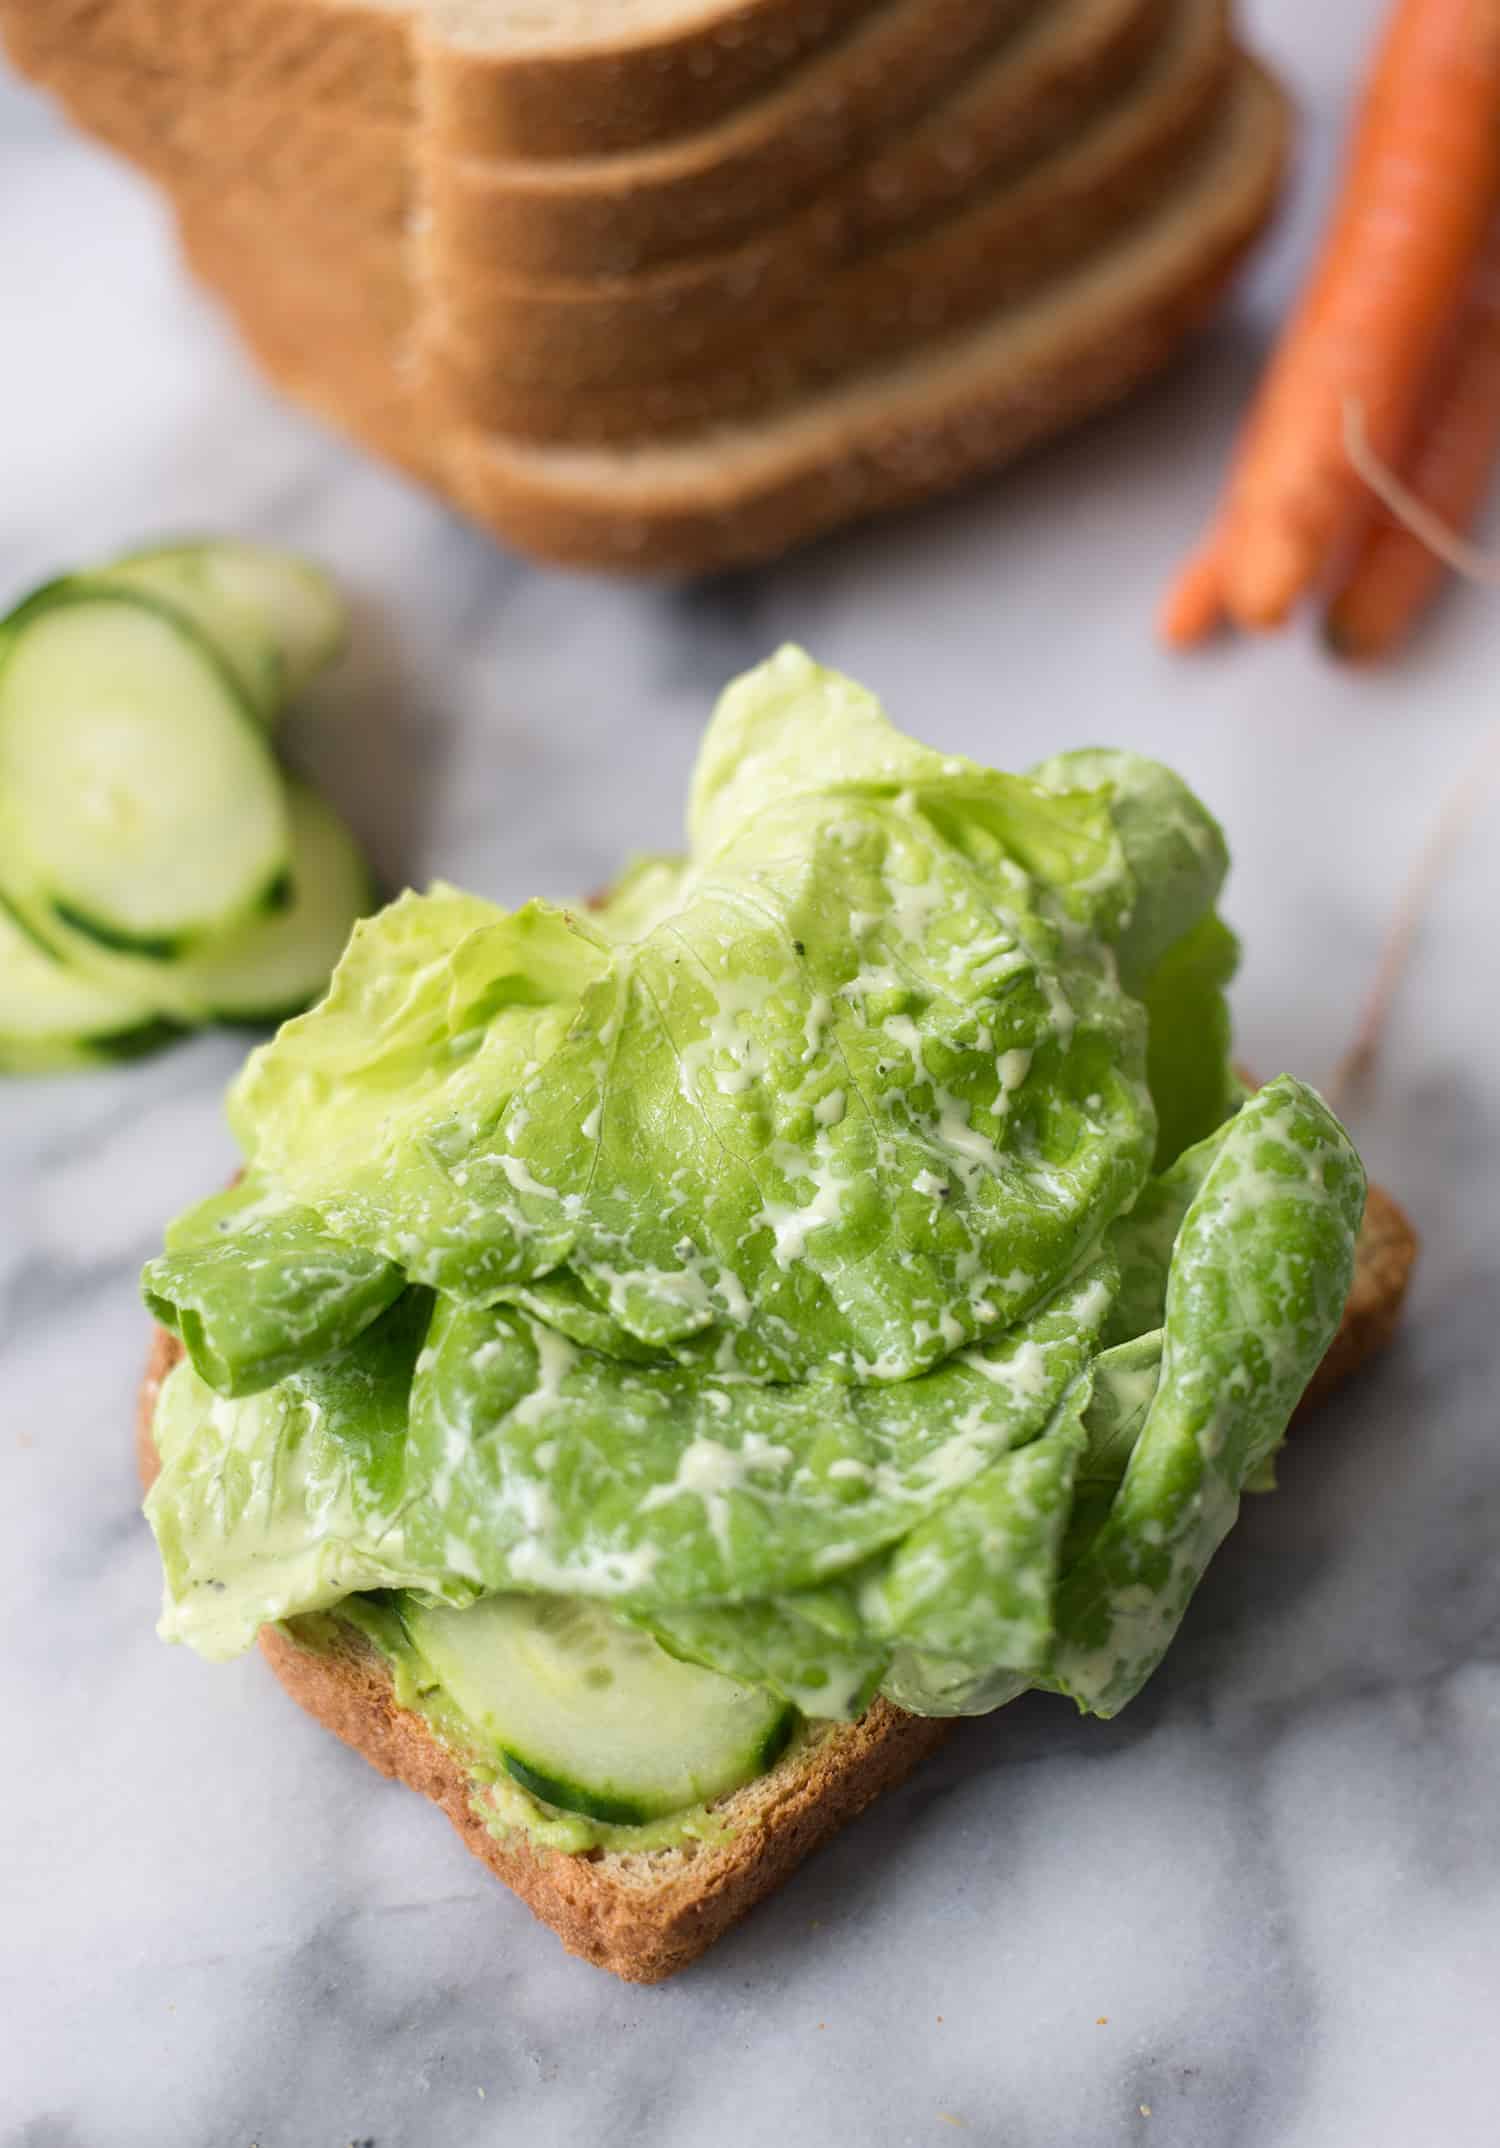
x=274, y=966
x=52, y=1018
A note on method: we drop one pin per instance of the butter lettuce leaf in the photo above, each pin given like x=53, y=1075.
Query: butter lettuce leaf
x=860, y=1090
x=536, y=1464
x=256, y=1299
x=289, y=1500
x=811, y=1647
x=976, y=1579
x=1188, y=1069
x=1260, y=1270
x=1174, y=952
x=772, y=1250
x=372, y=1109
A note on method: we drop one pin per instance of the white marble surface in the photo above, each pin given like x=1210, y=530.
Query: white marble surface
x=1260, y=1911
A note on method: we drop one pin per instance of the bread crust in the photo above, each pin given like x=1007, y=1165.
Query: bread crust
x=648, y=1914
x=642, y=1915
x=1388, y=1247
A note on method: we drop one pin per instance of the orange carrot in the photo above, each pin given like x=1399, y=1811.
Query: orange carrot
x=1193, y=607
x=1420, y=178
x=1394, y=571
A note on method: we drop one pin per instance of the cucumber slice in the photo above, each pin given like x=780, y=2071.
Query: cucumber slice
x=590, y=1714
x=52, y=1018
x=139, y=801
x=273, y=967
x=238, y=636
x=277, y=620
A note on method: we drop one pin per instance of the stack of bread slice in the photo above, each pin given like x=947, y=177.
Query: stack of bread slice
x=669, y=285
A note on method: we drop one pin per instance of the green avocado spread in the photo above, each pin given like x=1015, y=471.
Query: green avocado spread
x=843, y=1262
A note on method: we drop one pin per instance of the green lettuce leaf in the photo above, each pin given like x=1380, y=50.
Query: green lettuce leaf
x=772, y=1250
x=1259, y=1273
x=860, y=1092
x=535, y=1464
x=265, y=1292
x=372, y=1107
x=1188, y=1070
x=810, y=1647
x=1174, y=953
x=1175, y=855
x=289, y=1500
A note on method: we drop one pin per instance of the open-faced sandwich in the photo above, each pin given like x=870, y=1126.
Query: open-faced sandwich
x=665, y=1359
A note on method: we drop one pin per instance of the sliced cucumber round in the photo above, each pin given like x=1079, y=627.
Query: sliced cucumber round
x=591, y=1715
x=275, y=966
x=139, y=801
x=238, y=636
x=52, y=1017
x=276, y=619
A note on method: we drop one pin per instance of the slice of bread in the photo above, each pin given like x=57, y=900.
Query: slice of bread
x=809, y=276
x=615, y=215
x=492, y=77
x=352, y=58
x=963, y=404
x=354, y=280
x=327, y=334
x=807, y=302
x=645, y=1915
x=579, y=78
x=310, y=170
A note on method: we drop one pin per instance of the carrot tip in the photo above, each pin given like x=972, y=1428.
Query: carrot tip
x=1193, y=609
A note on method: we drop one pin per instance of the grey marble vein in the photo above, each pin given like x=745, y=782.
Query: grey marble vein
x=1261, y=1910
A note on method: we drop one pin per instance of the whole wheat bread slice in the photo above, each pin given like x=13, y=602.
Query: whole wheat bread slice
x=809, y=275
x=644, y=1915
x=355, y=59
x=310, y=171
x=807, y=303
x=493, y=77
x=963, y=404
x=1010, y=240
x=615, y=215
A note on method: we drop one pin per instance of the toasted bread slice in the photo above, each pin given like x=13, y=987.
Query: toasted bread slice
x=647, y=1914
